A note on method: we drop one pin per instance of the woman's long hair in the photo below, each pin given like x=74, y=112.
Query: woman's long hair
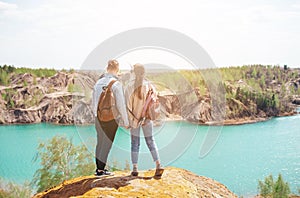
x=139, y=71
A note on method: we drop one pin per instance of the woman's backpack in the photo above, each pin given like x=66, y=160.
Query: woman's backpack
x=151, y=109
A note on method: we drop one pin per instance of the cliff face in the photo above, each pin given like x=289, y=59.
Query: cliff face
x=33, y=100
x=174, y=183
x=65, y=98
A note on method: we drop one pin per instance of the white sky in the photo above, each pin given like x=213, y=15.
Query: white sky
x=61, y=33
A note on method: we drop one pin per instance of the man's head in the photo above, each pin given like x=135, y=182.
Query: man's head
x=112, y=66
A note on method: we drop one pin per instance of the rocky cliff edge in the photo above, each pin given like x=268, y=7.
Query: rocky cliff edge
x=175, y=182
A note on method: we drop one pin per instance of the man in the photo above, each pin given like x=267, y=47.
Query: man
x=106, y=131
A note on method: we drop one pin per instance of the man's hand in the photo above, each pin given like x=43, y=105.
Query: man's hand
x=127, y=127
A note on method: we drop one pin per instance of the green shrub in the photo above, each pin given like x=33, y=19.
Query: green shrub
x=270, y=188
x=72, y=71
x=60, y=160
x=74, y=88
x=11, y=190
x=4, y=78
x=8, y=97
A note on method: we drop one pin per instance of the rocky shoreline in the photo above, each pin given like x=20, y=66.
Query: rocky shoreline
x=241, y=121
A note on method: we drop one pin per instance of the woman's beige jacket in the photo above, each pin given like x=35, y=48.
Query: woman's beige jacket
x=134, y=104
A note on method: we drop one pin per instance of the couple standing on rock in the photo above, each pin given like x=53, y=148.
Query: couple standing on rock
x=130, y=109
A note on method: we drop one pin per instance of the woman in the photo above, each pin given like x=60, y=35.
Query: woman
x=136, y=93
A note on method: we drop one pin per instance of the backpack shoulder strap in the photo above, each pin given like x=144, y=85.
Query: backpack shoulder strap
x=110, y=84
x=151, y=87
x=102, y=76
x=148, y=99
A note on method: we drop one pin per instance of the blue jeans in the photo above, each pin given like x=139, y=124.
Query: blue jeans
x=135, y=141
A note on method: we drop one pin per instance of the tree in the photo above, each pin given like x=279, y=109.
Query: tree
x=266, y=187
x=278, y=189
x=281, y=188
x=262, y=82
x=254, y=73
x=275, y=101
x=60, y=160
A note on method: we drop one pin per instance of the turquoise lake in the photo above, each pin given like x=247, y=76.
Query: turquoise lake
x=241, y=156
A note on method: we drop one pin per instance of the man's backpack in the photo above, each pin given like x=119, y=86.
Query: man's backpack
x=107, y=110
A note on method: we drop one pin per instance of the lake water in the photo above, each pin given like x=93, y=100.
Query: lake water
x=242, y=155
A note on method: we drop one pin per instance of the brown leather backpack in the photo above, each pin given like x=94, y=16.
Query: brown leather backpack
x=107, y=110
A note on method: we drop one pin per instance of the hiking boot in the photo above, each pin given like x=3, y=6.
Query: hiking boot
x=103, y=173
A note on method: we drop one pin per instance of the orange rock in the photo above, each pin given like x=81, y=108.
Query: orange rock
x=175, y=182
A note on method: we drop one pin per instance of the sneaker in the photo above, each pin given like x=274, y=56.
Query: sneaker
x=103, y=173
x=134, y=173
